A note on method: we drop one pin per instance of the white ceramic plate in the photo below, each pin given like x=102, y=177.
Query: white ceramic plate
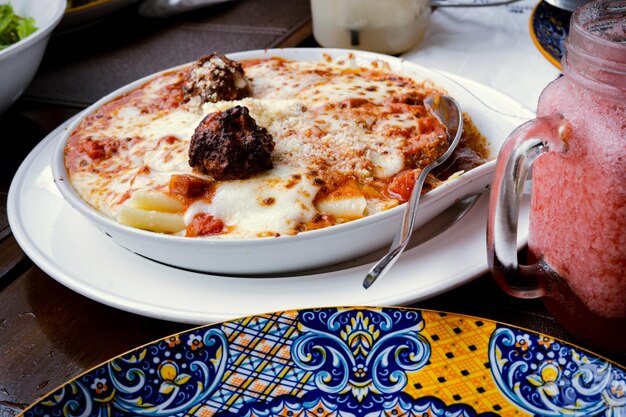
x=69, y=248
x=325, y=246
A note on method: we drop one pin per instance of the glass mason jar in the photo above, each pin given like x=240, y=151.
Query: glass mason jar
x=576, y=150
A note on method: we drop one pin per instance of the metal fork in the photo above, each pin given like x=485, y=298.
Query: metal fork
x=448, y=111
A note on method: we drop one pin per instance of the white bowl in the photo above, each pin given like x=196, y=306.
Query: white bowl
x=321, y=247
x=20, y=61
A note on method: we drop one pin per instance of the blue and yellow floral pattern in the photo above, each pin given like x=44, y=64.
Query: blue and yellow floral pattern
x=549, y=27
x=347, y=362
x=549, y=378
x=162, y=379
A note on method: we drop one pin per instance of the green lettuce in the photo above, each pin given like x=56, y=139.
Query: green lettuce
x=13, y=27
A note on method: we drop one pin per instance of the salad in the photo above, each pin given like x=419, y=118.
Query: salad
x=13, y=28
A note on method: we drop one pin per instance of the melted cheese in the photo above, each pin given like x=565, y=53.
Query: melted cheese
x=331, y=122
x=269, y=204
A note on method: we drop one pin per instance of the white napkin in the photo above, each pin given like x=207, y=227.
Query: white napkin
x=490, y=45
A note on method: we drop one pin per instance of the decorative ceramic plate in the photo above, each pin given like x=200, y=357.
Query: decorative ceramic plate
x=347, y=362
x=549, y=26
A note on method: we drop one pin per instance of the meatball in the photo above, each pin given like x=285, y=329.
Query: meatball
x=230, y=145
x=214, y=78
x=462, y=159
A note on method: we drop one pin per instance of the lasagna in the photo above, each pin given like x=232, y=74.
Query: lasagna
x=261, y=148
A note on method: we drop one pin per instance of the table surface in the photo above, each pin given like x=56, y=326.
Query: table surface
x=50, y=334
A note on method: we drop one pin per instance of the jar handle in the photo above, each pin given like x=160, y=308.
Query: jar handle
x=523, y=146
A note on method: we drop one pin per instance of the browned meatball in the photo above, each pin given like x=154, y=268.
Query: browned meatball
x=230, y=145
x=214, y=78
x=462, y=159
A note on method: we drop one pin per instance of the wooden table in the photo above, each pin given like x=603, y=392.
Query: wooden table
x=50, y=334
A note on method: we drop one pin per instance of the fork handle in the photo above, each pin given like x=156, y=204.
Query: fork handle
x=402, y=237
x=383, y=265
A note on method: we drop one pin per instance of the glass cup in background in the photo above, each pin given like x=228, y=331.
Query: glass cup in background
x=577, y=149
x=385, y=26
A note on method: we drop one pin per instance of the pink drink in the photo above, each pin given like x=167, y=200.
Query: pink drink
x=577, y=149
x=578, y=214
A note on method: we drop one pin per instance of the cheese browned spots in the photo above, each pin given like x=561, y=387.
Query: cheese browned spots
x=342, y=134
